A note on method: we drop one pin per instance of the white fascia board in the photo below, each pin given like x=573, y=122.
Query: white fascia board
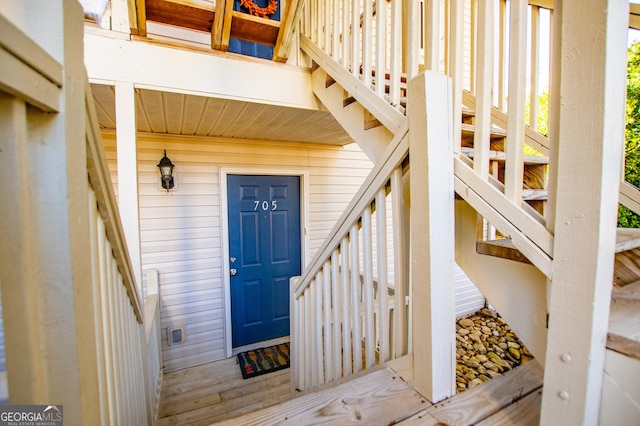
x=157, y=67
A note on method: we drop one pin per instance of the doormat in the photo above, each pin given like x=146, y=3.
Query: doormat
x=264, y=360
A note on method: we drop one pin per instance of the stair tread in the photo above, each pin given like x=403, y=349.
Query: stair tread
x=502, y=156
x=379, y=397
x=624, y=317
x=627, y=239
x=496, y=132
x=502, y=248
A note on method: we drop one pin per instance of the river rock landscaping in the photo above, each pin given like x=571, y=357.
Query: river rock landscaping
x=486, y=347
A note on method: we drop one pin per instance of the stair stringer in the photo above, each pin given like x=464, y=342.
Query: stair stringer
x=517, y=290
x=374, y=141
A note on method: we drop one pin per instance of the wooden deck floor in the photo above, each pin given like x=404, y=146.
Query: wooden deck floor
x=216, y=391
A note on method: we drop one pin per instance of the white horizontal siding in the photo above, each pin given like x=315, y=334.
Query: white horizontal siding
x=467, y=296
x=180, y=231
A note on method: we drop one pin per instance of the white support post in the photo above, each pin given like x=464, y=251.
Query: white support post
x=432, y=234
x=128, y=174
x=588, y=130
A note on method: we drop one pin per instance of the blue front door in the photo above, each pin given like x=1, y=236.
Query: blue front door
x=264, y=252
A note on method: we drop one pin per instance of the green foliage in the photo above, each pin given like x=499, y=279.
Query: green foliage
x=627, y=218
x=543, y=118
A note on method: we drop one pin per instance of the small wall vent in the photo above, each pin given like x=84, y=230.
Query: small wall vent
x=176, y=335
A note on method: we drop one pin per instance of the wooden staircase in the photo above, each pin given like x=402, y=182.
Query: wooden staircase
x=625, y=307
x=383, y=396
x=368, y=118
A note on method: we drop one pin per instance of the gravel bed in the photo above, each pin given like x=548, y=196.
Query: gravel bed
x=486, y=347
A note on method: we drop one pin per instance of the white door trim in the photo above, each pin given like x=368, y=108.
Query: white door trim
x=224, y=226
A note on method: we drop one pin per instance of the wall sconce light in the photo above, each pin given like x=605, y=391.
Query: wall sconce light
x=166, y=172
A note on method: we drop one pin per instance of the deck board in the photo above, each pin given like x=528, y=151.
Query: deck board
x=378, y=398
x=479, y=403
x=624, y=333
x=216, y=391
x=525, y=412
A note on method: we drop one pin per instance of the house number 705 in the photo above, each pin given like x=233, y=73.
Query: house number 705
x=265, y=205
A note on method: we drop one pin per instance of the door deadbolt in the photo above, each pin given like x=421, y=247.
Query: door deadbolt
x=233, y=271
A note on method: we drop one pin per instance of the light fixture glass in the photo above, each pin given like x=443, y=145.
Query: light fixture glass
x=166, y=172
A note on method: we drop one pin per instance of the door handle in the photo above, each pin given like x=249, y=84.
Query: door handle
x=233, y=271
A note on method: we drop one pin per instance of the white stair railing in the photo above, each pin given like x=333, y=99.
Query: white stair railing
x=365, y=38
x=348, y=310
x=129, y=357
x=73, y=317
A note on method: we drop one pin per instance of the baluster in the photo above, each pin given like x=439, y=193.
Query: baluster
x=328, y=366
x=295, y=343
x=320, y=23
x=400, y=267
x=327, y=26
x=356, y=297
x=317, y=338
x=336, y=311
x=308, y=367
x=484, y=78
x=335, y=31
x=396, y=52
x=514, y=166
x=383, y=285
x=473, y=44
x=346, y=38
x=502, y=58
x=535, y=64
x=432, y=35
x=346, y=307
x=456, y=67
x=368, y=288
x=367, y=36
x=381, y=46
x=355, y=38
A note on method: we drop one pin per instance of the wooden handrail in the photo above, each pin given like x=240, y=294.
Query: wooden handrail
x=101, y=183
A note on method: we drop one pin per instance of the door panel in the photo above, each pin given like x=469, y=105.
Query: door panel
x=264, y=250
